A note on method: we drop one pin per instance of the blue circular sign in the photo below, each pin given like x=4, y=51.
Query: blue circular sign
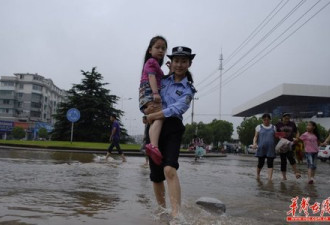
x=73, y=115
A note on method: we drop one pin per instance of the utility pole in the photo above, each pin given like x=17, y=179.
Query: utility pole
x=220, y=88
x=192, y=109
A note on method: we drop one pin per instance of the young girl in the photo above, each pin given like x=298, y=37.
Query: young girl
x=149, y=97
x=311, y=141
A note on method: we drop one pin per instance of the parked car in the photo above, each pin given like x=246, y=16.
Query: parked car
x=324, y=153
x=251, y=150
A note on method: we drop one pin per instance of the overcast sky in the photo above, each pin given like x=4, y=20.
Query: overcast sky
x=58, y=38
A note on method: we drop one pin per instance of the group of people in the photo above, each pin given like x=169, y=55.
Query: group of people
x=163, y=99
x=287, y=135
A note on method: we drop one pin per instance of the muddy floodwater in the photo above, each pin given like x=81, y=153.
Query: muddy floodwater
x=40, y=187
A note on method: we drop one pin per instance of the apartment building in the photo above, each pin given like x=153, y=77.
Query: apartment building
x=27, y=97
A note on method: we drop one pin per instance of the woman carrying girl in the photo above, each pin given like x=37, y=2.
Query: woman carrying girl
x=177, y=92
x=264, y=141
x=311, y=141
x=149, y=96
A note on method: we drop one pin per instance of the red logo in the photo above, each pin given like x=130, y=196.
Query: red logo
x=300, y=212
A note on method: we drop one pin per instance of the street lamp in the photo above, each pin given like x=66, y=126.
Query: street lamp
x=122, y=101
x=192, y=109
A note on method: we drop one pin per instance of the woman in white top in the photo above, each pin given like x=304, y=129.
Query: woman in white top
x=264, y=141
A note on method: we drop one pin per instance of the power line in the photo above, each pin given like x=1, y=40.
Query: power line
x=233, y=77
x=259, y=42
x=268, y=34
x=211, y=74
x=256, y=30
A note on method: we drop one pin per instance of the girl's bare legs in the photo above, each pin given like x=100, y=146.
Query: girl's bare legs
x=309, y=173
x=312, y=173
x=174, y=189
x=159, y=190
x=154, y=132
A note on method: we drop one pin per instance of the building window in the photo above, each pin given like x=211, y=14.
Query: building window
x=8, y=83
x=21, y=76
x=21, y=86
x=20, y=95
x=37, y=87
x=4, y=111
x=36, y=77
x=6, y=101
x=35, y=114
x=36, y=105
x=36, y=97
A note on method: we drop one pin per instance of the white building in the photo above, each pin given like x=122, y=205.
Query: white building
x=304, y=102
x=28, y=97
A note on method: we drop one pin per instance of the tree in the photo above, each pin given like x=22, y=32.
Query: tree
x=43, y=133
x=95, y=105
x=189, y=133
x=204, y=131
x=18, y=133
x=221, y=131
x=246, y=129
x=214, y=132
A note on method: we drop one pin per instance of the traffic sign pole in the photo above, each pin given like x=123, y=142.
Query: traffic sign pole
x=71, y=131
x=73, y=115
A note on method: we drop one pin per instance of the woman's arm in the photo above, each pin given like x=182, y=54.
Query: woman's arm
x=155, y=116
x=255, y=139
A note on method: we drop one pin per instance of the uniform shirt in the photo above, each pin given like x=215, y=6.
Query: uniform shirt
x=310, y=142
x=115, y=124
x=176, y=96
x=152, y=67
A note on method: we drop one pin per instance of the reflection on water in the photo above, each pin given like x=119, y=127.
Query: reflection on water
x=74, y=188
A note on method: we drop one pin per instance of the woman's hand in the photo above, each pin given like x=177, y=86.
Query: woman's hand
x=150, y=119
x=152, y=108
x=157, y=98
x=254, y=146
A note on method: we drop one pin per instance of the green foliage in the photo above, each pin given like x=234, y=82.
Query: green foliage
x=214, y=132
x=246, y=129
x=18, y=133
x=43, y=133
x=221, y=131
x=95, y=105
x=189, y=133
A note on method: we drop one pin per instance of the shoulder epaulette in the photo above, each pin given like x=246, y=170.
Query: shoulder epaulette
x=192, y=87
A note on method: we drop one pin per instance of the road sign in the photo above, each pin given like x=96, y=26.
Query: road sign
x=73, y=115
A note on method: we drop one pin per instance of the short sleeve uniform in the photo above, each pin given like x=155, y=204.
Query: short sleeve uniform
x=176, y=98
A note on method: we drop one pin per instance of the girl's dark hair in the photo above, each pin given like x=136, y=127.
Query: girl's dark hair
x=316, y=130
x=151, y=43
x=266, y=115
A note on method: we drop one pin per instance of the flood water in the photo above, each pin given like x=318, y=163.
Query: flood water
x=40, y=187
